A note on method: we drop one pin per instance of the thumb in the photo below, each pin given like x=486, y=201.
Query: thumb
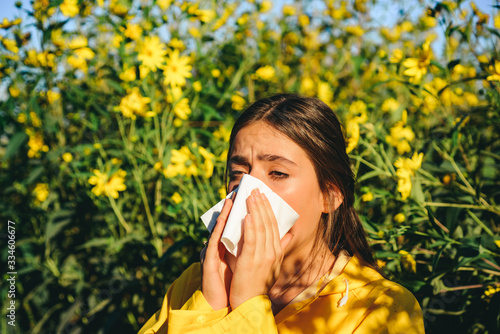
x=286, y=240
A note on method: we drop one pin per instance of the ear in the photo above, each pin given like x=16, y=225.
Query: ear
x=332, y=200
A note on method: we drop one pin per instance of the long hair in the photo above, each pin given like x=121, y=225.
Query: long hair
x=313, y=126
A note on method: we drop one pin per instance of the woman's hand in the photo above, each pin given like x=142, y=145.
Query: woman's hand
x=216, y=274
x=259, y=264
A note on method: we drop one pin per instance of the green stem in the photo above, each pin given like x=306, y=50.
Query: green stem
x=119, y=215
x=383, y=172
x=480, y=223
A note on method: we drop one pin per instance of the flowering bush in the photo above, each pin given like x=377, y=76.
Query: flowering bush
x=116, y=115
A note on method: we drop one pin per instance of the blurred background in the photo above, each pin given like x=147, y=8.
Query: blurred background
x=115, y=117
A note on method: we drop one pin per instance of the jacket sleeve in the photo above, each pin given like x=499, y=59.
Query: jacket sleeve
x=185, y=310
x=196, y=316
x=395, y=311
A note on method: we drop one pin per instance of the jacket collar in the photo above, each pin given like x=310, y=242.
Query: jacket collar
x=357, y=274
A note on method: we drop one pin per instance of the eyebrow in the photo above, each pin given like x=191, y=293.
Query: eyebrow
x=241, y=160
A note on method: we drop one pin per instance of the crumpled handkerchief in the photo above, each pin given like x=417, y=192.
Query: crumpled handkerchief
x=231, y=237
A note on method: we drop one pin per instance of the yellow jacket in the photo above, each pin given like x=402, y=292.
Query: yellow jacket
x=374, y=305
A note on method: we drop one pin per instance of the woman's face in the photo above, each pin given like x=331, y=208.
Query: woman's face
x=267, y=154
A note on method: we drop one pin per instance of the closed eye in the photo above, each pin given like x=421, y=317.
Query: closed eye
x=236, y=175
x=276, y=175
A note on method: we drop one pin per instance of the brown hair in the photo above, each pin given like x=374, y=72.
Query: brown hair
x=316, y=129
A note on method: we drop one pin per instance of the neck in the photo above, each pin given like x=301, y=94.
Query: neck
x=300, y=268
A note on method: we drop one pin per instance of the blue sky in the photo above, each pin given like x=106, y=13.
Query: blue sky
x=10, y=11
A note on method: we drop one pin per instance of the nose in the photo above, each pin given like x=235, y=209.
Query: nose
x=261, y=175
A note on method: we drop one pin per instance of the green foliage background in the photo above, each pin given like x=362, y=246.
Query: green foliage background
x=428, y=82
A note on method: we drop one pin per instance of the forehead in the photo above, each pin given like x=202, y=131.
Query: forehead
x=261, y=138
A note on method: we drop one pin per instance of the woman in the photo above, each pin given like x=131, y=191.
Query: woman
x=321, y=276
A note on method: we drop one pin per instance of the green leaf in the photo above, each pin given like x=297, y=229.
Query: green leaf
x=453, y=63
x=34, y=174
x=97, y=242
x=15, y=142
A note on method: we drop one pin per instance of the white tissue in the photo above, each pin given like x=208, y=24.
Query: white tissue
x=231, y=237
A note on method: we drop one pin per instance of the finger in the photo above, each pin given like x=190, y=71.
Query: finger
x=202, y=254
x=273, y=223
x=257, y=221
x=285, y=241
x=249, y=237
x=216, y=235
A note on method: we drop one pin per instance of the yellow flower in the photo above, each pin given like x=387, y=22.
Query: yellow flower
x=408, y=261
x=352, y=132
x=69, y=8
x=396, y=56
x=35, y=120
x=81, y=53
x=405, y=170
x=205, y=15
x=367, y=197
x=176, y=197
x=208, y=164
x=21, y=118
x=380, y=263
x=325, y=92
x=128, y=74
x=399, y=218
x=176, y=69
x=133, y=31
x=222, y=133
x=180, y=104
x=266, y=6
x=307, y=86
x=134, y=104
x=182, y=162
x=9, y=44
x=222, y=192
x=496, y=21
x=195, y=32
x=108, y=185
x=53, y=96
x=197, y=86
x=417, y=67
x=355, y=30
x=35, y=144
x=223, y=19
x=304, y=20
x=390, y=105
x=358, y=111
x=176, y=43
x=6, y=24
x=151, y=52
x=41, y=192
x=68, y=157
x=177, y=122
x=216, y=73
x=164, y=4
x=14, y=91
x=117, y=40
x=288, y=10
x=401, y=136
x=497, y=242
x=428, y=21
x=119, y=7
x=266, y=73
x=495, y=70
x=238, y=101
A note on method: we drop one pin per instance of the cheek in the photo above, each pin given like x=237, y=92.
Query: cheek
x=305, y=199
